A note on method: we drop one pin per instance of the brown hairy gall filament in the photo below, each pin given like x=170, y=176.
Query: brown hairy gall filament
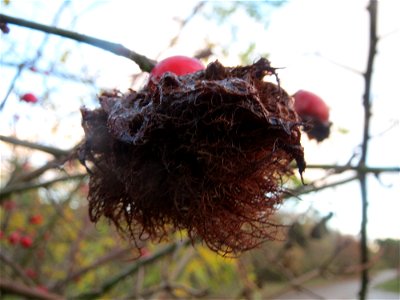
x=205, y=152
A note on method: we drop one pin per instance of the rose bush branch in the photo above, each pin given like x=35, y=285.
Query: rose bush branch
x=309, y=188
x=50, y=150
x=19, y=188
x=17, y=269
x=359, y=169
x=373, y=41
x=12, y=287
x=61, y=156
x=39, y=52
x=108, y=258
x=144, y=63
x=132, y=269
x=54, y=73
x=299, y=281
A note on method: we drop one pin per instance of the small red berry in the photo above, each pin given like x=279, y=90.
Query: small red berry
x=30, y=273
x=26, y=241
x=9, y=205
x=29, y=97
x=14, y=238
x=36, y=219
x=42, y=288
x=144, y=252
x=309, y=104
x=314, y=112
x=179, y=65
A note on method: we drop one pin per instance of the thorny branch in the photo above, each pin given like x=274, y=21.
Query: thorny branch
x=144, y=63
x=373, y=41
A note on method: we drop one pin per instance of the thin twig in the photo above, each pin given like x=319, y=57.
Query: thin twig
x=109, y=284
x=298, y=282
x=359, y=169
x=18, y=270
x=61, y=157
x=11, y=87
x=168, y=287
x=184, y=22
x=309, y=188
x=39, y=52
x=47, y=149
x=118, y=253
x=144, y=63
x=53, y=73
x=373, y=41
x=15, y=288
x=19, y=188
x=339, y=64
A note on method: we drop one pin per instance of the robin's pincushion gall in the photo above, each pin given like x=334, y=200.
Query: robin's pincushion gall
x=206, y=152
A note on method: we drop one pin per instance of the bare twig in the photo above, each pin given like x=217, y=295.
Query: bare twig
x=348, y=68
x=170, y=289
x=298, y=282
x=359, y=168
x=18, y=188
x=185, y=21
x=109, y=284
x=313, y=188
x=51, y=150
x=25, y=177
x=39, y=52
x=18, y=180
x=53, y=73
x=11, y=87
x=373, y=41
x=117, y=253
x=12, y=287
x=16, y=268
x=144, y=63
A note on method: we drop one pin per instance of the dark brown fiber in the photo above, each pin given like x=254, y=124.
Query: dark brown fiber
x=206, y=153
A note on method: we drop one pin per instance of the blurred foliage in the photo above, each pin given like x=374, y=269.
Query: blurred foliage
x=233, y=12
x=392, y=285
x=67, y=250
x=258, y=10
x=390, y=252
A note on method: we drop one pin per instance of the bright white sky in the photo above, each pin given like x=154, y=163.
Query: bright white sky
x=304, y=36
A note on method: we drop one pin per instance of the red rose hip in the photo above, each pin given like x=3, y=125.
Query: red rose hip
x=14, y=238
x=314, y=112
x=26, y=241
x=179, y=65
x=36, y=219
x=309, y=104
x=29, y=97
